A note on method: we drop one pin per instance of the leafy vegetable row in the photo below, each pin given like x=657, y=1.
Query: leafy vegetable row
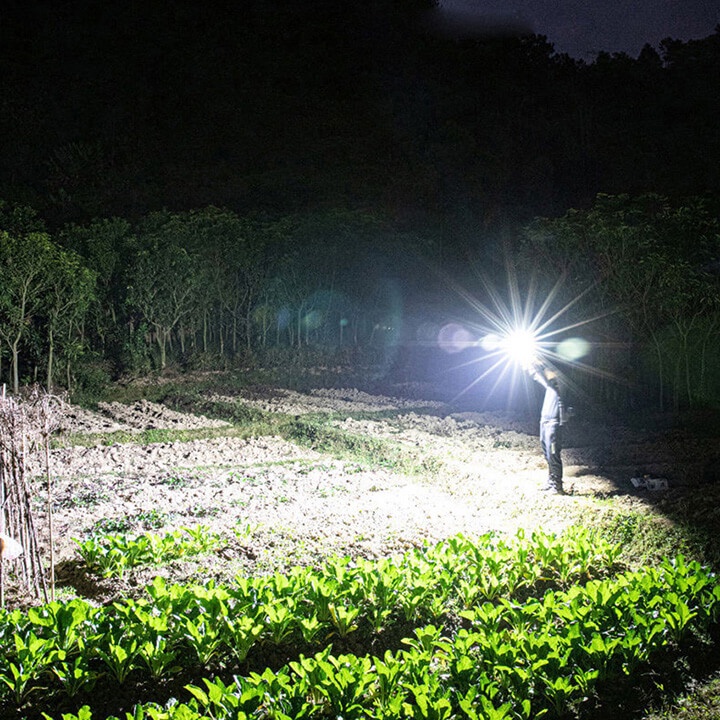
x=64, y=648
x=112, y=554
x=509, y=662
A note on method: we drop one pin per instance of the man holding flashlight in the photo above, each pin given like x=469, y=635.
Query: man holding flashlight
x=551, y=420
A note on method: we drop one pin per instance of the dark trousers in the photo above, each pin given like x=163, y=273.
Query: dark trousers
x=551, y=447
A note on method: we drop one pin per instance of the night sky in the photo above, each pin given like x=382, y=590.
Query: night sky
x=117, y=108
x=584, y=28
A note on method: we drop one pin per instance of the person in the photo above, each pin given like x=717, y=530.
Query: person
x=551, y=419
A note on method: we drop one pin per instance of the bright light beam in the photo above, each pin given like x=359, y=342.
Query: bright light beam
x=522, y=328
x=520, y=346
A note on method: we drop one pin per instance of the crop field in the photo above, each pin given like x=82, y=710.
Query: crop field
x=229, y=551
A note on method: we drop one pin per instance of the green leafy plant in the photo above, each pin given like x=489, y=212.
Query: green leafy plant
x=31, y=656
x=113, y=555
x=119, y=657
x=531, y=651
x=240, y=634
x=343, y=618
x=280, y=620
x=75, y=674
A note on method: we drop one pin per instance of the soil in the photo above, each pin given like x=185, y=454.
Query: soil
x=277, y=504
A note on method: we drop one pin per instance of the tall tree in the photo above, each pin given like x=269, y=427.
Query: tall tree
x=70, y=293
x=108, y=247
x=163, y=285
x=25, y=267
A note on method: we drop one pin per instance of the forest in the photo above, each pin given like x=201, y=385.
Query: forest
x=335, y=183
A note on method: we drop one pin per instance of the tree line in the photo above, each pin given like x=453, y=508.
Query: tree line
x=647, y=270
x=637, y=276
x=203, y=288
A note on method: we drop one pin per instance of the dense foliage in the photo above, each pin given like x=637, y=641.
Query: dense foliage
x=209, y=289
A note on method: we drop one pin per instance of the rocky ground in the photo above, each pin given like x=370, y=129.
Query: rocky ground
x=278, y=504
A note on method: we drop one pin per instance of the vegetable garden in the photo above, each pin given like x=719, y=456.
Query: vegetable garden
x=492, y=625
x=536, y=627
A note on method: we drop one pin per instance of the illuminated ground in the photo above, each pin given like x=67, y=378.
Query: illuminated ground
x=278, y=504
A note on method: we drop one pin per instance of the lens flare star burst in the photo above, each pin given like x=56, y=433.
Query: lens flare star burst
x=517, y=327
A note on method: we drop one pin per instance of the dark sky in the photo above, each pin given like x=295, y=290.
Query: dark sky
x=582, y=28
x=134, y=104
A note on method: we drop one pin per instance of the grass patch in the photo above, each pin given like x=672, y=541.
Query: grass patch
x=161, y=389
x=372, y=451
x=110, y=525
x=311, y=431
x=237, y=413
x=148, y=437
x=149, y=520
x=647, y=536
x=84, y=499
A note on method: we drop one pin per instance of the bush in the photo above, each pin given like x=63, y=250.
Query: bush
x=91, y=379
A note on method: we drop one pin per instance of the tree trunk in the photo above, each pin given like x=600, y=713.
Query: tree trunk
x=15, y=367
x=161, y=340
x=51, y=348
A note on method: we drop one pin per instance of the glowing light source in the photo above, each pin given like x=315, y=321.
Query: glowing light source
x=516, y=327
x=520, y=346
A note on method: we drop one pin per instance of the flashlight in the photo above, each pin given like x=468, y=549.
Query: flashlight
x=520, y=346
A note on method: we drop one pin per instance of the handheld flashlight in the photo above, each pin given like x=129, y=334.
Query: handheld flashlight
x=520, y=346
